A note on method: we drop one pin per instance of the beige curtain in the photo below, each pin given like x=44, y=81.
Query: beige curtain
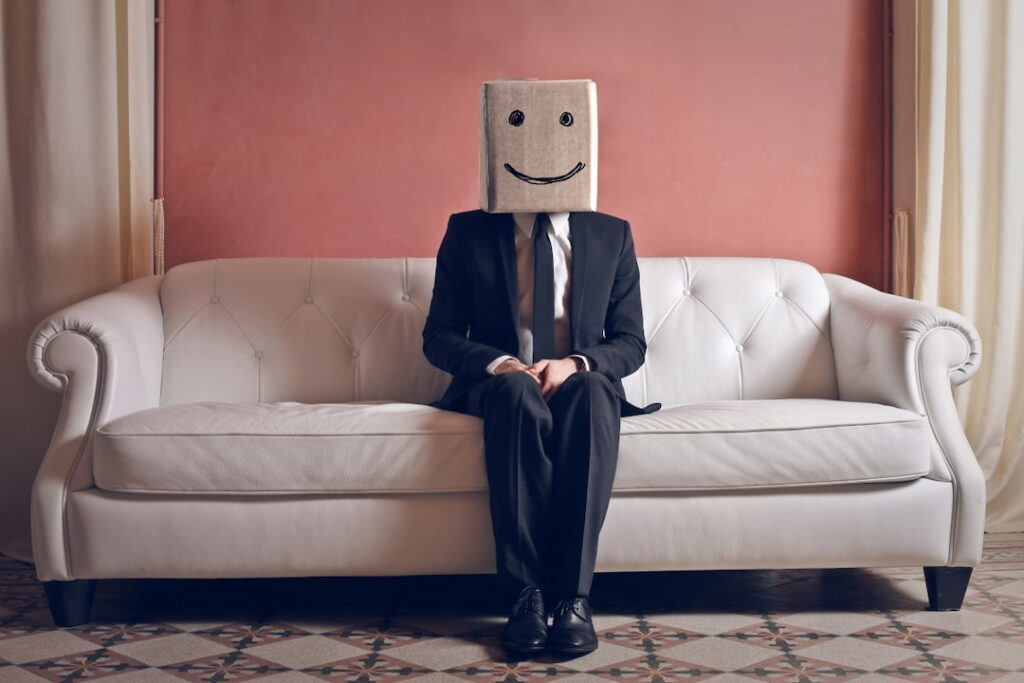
x=76, y=119
x=970, y=205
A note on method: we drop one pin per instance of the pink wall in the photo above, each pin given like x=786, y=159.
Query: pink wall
x=349, y=128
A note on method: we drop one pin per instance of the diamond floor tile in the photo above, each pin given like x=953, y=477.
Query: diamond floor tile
x=864, y=625
x=380, y=634
x=838, y=623
x=83, y=665
x=50, y=643
x=988, y=651
x=155, y=676
x=723, y=654
x=511, y=670
x=236, y=665
x=799, y=667
x=908, y=635
x=450, y=651
x=930, y=667
x=960, y=621
x=705, y=623
x=648, y=636
x=13, y=674
x=307, y=651
x=371, y=666
x=781, y=636
x=1012, y=677
x=171, y=649
x=654, y=667
x=855, y=653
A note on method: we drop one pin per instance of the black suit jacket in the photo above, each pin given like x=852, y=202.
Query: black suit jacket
x=476, y=289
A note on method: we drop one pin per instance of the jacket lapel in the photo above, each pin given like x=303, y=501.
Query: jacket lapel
x=578, y=277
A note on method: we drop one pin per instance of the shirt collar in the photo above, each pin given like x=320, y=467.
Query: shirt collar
x=525, y=220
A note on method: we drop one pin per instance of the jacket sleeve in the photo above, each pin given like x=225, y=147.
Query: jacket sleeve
x=445, y=341
x=623, y=348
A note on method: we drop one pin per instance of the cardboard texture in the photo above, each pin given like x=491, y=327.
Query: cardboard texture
x=538, y=146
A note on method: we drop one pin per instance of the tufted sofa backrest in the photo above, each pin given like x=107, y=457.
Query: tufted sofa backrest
x=332, y=330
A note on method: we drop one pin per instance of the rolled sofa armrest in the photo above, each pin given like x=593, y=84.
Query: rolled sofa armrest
x=105, y=354
x=905, y=353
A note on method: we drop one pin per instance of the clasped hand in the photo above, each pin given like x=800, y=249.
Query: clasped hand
x=548, y=372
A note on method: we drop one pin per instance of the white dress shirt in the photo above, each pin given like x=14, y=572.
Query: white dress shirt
x=561, y=254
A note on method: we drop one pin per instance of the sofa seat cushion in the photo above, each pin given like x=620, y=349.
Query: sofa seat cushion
x=378, y=447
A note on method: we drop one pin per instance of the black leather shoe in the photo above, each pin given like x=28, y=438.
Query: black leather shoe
x=526, y=632
x=572, y=627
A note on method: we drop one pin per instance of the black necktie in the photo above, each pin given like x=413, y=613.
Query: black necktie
x=543, y=291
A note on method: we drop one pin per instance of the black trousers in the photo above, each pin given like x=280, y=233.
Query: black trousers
x=550, y=466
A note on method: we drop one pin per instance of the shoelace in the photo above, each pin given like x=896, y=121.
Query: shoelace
x=573, y=604
x=529, y=602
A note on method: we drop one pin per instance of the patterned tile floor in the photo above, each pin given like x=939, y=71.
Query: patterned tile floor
x=729, y=626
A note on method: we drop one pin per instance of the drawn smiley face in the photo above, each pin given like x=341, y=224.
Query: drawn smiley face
x=538, y=146
x=517, y=118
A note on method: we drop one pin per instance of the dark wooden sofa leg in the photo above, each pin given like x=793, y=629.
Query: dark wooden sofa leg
x=946, y=586
x=70, y=601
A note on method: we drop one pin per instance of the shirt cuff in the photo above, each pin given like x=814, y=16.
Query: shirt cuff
x=493, y=365
x=586, y=361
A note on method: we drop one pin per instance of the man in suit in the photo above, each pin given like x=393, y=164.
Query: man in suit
x=537, y=317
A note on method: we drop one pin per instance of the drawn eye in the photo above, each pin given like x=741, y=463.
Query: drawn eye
x=516, y=117
x=565, y=119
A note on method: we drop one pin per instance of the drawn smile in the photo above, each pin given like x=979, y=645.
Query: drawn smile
x=545, y=181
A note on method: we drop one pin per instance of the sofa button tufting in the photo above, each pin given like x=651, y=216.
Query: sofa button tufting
x=259, y=354
x=355, y=353
x=686, y=292
x=214, y=299
x=778, y=293
x=406, y=297
x=739, y=347
x=309, y=299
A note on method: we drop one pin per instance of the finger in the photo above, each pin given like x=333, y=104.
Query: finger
x=552, y=388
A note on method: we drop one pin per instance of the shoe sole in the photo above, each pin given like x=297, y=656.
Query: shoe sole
x=573, y=651
x=521, y=652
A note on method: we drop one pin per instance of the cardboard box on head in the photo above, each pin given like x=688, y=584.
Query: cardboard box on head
x=538, y=146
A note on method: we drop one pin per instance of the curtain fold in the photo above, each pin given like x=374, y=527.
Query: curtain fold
x=969, y=241
x=76, y=135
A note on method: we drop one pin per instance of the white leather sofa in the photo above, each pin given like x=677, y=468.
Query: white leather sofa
x=266, y=417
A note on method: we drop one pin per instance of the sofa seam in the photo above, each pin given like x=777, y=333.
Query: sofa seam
x=821, y=331
x=668, y=314
x=827, y=482
x=110, y=435
x=757, y=321
x=167, y=341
